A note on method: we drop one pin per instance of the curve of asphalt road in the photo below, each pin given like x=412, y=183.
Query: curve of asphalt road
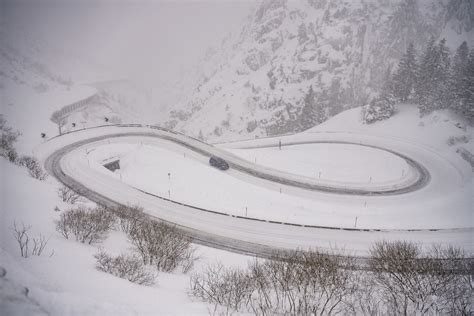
x=239, y=234
x=422, y=175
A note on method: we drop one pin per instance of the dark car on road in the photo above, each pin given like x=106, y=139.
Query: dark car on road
x=218, y=163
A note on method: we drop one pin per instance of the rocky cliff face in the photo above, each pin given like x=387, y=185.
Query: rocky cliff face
x=255, y=83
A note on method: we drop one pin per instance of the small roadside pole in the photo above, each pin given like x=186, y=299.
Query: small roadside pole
x=246, y=210
x=355, y=224
x=279, y=144
x=169, y=194
x=370, y=180
x=169, y=175
x=280, y=190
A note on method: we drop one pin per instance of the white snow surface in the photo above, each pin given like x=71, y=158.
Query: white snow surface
x=29, y=111
x=64, y=281
x=67, y=282
x=445, y=203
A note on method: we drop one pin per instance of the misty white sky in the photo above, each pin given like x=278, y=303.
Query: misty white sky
x=144, y=40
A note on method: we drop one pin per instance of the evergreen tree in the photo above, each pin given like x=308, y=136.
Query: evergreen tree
x=422, y=86
x=312, y=113
x=467, y=91
x=440, y=90
x=403, y=81
x=432, y=87
x=459, y=66
x=380, y=108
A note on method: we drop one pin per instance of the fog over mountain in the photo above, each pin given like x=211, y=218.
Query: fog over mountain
x=256, y=82
x=152, y=43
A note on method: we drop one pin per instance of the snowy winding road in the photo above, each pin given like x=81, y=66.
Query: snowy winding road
x=66, y=158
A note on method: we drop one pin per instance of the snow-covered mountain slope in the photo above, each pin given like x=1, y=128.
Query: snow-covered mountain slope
x=36, y=80
x=255, y=83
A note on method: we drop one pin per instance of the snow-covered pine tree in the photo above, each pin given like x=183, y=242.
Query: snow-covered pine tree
x=432, y=88
x=467, y=93
x=312, y=112
x=380, y=108
x=441, y=93
x=403, y=81
x=459, y=66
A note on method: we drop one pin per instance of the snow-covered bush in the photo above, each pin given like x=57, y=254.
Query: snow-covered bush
x=88, y=225
x=300, y=283
x=162, y=245
x=129, y=217
x=68, y=195
x=34, y=167
x=421, y=282
x=7, y=140
x=400, y=279
x=380, y=108
x=225, y=286
x=454, y=140
x=129, y=267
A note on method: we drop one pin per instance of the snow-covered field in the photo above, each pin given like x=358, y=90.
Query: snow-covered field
x=146, y=163
x=338, y=162
x=67, y=282
x=29, y=111
x=64, y=281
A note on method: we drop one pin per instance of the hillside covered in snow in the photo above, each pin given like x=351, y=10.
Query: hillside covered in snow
x=256, y=83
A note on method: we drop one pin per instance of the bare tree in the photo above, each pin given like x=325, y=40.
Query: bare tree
x=39, y=244
x=23, y=239
x=21, y=236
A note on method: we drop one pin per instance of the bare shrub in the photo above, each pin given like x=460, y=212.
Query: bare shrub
x=454, y=140
x=402, y=279
x=68, y=195
x=23, y=239
x=126, y=267
x=301, y=283
x=21, y=236
x=88, y=225
x=34, y=167
x=12, y=155
x=413, y=281
x=228, y=287
x=8, y=138
x=162, y=245
x=129, y=217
